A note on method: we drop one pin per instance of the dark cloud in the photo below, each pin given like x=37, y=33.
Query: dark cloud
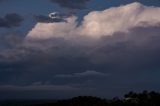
x=72, y=4
x=11, y=20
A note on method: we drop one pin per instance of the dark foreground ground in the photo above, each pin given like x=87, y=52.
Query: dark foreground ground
x=131, y=99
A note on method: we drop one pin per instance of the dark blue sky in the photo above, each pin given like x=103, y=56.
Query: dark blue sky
x=105, y=52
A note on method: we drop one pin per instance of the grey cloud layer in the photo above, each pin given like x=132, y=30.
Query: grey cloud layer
x=135, y=52
x=132, y=59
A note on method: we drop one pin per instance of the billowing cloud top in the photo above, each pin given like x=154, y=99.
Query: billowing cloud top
x=120, y=19
x=101, y=23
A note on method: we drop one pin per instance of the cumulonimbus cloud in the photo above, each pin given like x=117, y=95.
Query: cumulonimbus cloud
x=125, y=45
x=101, y=23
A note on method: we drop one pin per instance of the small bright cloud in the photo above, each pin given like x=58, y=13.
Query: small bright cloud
x=88, y=73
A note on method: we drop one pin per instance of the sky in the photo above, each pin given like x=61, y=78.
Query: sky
x=56, y=49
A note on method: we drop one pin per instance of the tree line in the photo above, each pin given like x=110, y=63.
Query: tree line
x=144, y=98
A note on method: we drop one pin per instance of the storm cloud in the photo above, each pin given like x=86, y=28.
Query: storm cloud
x=91, y=57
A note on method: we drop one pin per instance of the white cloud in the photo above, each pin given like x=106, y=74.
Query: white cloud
x=100, y=23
